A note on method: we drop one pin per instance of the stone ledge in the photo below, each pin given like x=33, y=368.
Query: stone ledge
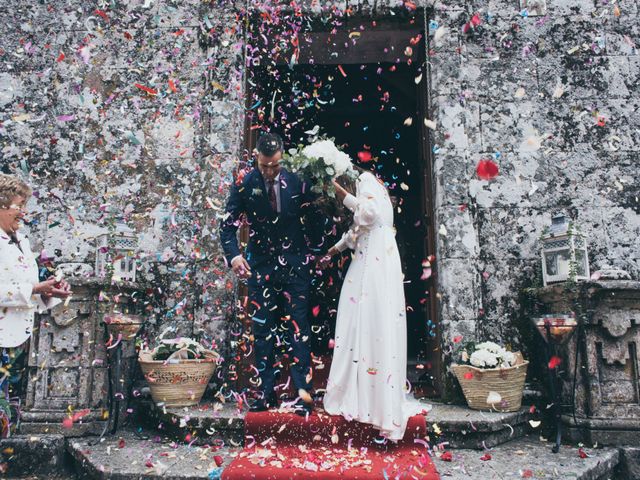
x=603, y=431
x=36, y=422
x=630, y=462
x=136, y=458
x=33, y=455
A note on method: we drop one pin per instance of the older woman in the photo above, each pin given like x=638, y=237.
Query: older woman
x=21, y=292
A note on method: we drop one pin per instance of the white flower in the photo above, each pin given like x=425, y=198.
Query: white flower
x=490, y=346
x=490, y=354
x=493, y=398
x=333, y=158
x=342, y=163
x=508, y=359
x=483, y=358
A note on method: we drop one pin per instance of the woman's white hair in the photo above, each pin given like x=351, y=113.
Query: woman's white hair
x=11, y=187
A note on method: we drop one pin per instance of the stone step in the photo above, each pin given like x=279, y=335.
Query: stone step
x=526, y=457
x=530, y=457
x=126, y=456
x=34, y=455
x=460, y=426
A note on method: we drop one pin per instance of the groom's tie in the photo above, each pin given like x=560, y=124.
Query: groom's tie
x=272, y=196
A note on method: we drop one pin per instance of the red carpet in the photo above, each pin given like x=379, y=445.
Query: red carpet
x=286, y=446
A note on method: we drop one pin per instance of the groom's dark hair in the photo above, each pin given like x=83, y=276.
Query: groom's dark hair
x=269, y=144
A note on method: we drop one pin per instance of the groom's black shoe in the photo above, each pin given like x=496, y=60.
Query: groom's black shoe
x=264, y=404
x=303, y=409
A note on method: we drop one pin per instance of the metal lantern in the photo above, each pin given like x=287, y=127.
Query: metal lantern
x=117, y=247
x=564, y=252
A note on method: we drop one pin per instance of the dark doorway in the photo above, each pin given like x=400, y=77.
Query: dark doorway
x=371, y=99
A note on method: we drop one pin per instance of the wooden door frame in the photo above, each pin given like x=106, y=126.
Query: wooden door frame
x=391, y=27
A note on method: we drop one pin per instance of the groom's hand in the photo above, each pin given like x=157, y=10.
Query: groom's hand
x=241, y=267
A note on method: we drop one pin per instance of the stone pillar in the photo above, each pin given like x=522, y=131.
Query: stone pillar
x=68, y=367
x=607, y=387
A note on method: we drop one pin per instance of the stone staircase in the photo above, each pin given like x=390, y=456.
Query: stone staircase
x=458, y=426
x=188, y=443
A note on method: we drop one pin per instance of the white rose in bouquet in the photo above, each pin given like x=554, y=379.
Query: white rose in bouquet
x=324, y=149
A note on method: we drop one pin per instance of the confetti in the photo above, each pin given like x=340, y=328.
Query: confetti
x=487, y=169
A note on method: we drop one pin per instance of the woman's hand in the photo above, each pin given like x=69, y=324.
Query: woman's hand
x=325, y=261
x=340, y=191
x=53, y=288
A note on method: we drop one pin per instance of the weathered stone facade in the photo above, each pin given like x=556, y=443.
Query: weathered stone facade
x=529, y=92
x=136, y=110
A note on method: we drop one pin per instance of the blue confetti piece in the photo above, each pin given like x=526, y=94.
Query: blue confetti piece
x=215, y=474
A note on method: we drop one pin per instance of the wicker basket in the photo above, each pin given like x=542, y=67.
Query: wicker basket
x=507, y=382
x=179, y=384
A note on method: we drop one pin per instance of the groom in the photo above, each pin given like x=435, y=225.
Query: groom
x=277, y=265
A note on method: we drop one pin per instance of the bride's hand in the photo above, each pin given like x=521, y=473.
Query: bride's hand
x=325, y=261
x=340, y=191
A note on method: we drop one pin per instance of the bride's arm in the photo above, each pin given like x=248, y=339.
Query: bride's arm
x=365, y=212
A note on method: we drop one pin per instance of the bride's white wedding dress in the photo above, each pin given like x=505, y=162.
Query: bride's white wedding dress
x=367, y=381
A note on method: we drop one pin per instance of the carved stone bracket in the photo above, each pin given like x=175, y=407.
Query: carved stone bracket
x=617, y=323
x=65, y=316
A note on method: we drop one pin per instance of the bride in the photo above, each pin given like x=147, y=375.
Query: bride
x=367, y=380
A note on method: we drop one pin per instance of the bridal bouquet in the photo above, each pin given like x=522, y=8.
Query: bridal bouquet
x=321, y=161
x=488, y=355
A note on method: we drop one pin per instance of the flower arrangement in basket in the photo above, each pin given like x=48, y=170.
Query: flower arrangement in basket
x=178, y=371
x=491, y=377
x=321, y=161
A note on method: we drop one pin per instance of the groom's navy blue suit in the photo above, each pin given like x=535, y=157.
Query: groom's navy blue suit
x=280, y=260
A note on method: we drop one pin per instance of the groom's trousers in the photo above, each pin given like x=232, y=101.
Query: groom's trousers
x=279, y=313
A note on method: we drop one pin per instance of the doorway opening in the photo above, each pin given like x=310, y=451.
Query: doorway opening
x=372, y=101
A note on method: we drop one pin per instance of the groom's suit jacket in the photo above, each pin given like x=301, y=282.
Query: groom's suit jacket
x=279, y=240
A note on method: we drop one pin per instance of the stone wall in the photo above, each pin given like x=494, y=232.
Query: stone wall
x=132, y=110
x=136, y=109
x=553, y=101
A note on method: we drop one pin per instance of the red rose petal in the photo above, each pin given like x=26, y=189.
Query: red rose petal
x=485, y=457
x=468, y=376
x=487, y=169
x=554, y=362
x=364, y=156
